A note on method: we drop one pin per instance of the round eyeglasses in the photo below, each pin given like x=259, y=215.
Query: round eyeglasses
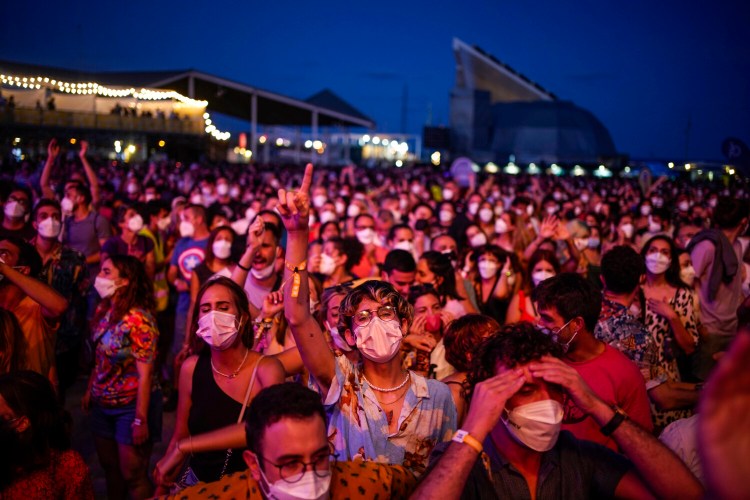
x=292, y=471
x=363, y=318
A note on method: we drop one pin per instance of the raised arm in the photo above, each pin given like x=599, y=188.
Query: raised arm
x=53, y=304
x=90, y=174
x=313, y=347
x=665, y=475
x=53, y=150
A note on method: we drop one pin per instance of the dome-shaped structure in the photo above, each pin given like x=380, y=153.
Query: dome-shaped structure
x=548, y=131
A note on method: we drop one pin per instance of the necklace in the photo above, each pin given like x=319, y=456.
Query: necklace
x=390, y=389
x=232, y=375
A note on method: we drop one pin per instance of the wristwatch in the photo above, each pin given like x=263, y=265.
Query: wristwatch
x=462, y=436
x=619, y=417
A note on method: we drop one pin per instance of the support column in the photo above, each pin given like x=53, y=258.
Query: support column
x=254, y=126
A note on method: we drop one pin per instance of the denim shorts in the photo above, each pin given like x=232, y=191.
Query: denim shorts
x=116, y=423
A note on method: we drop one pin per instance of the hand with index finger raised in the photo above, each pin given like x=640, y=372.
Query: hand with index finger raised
x=294, y=206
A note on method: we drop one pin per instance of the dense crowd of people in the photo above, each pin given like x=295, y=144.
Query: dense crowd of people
x=349, y=331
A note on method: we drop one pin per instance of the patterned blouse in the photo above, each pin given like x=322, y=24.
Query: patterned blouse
x=358, y=427
x=66, y=477
x=118, y=347
x=667, y=347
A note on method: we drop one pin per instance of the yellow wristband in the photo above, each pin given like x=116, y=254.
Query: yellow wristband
x=461, y=436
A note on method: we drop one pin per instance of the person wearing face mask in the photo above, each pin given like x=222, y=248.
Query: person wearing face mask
x=485, y=218
x=542, y=265
x=494, y=280
x=512, y=445
x=402, y=237
x=65, y=270
x=670, y=317
x=373, y=255
x=569, y=307
x=422, y=349
x=288, y=455
x=129, y=241
x=373, y=317
x=123, y=393
x=436, y=270
x=337, y=260
x=223, y=372
x=224, y=202
x=330, y=302
x=157, y=214
x=16, y=209
x=35, y=304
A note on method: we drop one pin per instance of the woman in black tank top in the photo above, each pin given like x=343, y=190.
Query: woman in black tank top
x=214, y=383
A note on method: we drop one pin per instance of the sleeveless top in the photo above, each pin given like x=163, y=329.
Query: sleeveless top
x=212, y=409
x=494, y=307
x=525, y=315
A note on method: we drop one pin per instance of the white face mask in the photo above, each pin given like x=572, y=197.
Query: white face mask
x=540, y=276
x=380, y=340
x=645, y=210
x=585, y=198
x=487, y=269
x=222, y=248
x=404, y=245
x=163, y=223
x=327, y=264
x=535, y=425
x=234, y=192
x=319, y=200
x=366, y=236
x=687, y=274
x=594, y=243
x=105, y=287
x=657, y=263
x=472, y=208
x=338, y=340
x=653, y=227
x=447, y=194
x=132, y=188
x=222, y=189
x=551, y=210
x=683, y=206
x=478, y=240
x=218, y=329
x=196, y=199
x=581, y=243
x=67, y=205
x=327, y=216
x=486, y=215
x=14, y=209
x=352, y=211
x=135, y=223
x=309, y=487
x=530, y=210
x=445, y=216
x=49, y=228
x=627, y=230
x=187, y=229
x=501, y=227
x=261, y=274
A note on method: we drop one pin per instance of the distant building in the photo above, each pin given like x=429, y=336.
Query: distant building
x=497, y=114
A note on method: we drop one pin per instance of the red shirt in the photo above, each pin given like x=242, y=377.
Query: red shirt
x=616, y=380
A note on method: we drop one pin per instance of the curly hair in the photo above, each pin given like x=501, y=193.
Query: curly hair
x=351, y=248
x=241, y=303
x=463, y=334
x=139, y=293
x=379, y=291
x=512, y=345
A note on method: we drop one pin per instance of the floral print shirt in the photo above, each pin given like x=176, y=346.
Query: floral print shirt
x=118, y=347
x=358, y=427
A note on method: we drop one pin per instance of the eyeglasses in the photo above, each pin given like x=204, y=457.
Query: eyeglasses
x=292, y=471
x=554, y=333
x=363, y=318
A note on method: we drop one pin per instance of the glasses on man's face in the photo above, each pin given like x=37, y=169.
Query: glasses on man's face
x=363, y=318
x=553, y=333
x=293, y=470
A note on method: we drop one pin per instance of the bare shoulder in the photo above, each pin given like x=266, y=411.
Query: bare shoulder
x=270, y=371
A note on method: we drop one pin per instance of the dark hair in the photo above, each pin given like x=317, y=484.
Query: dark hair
x=12, y=343
x=323, y=227
x=31, y=395
x=45, y=202
x=285, y=400
x=210, y=244
x=673, y=272
x=27, y=255
x=571, y=295
x=514, y=344
x=399, y=260
x=379, y=291
x=25, y=190
x=396, y=227
x=351, y=248
x=463, y=335
x=83, y=191
x=138, y=293
x=198, y=211
x=440, y=265
x=363, y=214
x=417, y=291
x=537, y=257
x=622, y=268
x=241, y=303
x=153, y=207
x=274, y=229
x=729, y=212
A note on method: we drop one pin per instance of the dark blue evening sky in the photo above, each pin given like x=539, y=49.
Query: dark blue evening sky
x=645, y=68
